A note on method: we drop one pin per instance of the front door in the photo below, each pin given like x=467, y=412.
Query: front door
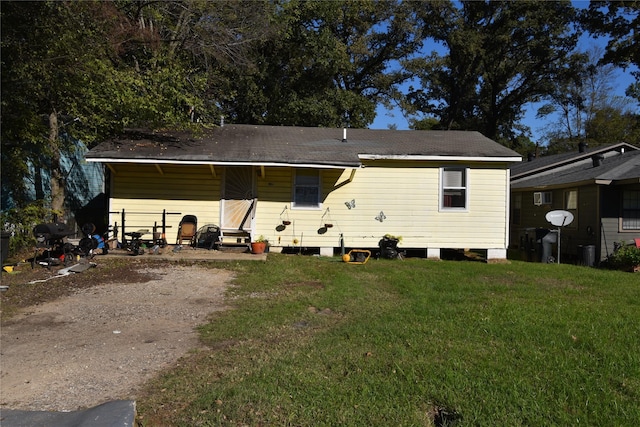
x=238, y=198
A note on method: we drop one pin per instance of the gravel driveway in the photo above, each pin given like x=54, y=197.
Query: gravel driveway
x=103, y=342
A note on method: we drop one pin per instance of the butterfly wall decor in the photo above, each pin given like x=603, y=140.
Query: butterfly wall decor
x=381, y=217
x=351, y=204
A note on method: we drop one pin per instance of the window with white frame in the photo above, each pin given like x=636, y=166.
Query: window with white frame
x=453, y=188
x=306, y=188
x=631, y=210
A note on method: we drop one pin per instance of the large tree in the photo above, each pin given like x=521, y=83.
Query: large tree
x=499, y=57
x=619, y=21
x=84, y=70
x=329, y=66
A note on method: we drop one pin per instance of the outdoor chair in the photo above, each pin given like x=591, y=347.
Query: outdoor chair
x=187, y=229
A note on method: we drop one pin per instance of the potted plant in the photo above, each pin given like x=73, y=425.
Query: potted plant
x=259, y=245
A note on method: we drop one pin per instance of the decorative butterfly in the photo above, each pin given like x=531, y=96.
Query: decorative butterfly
x=381, y=217
x=351, y=204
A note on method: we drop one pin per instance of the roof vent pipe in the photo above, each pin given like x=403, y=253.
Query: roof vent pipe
x=597, y=160
x=344, y=134
x=582, y=147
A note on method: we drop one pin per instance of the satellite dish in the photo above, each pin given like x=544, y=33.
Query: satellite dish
x=559, y=218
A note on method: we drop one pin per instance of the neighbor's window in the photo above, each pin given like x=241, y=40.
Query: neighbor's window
x=631, y=210
x=517, y=208
x=571, y=200
x=454, y=188
x=306, y=188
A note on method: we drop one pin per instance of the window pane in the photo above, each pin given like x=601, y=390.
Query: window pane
x=631, y=210
x=306, y=196
x=454, y=199
x=453, y=178
x=571, y=199
x=306, y=191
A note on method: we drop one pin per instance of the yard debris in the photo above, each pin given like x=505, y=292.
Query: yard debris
x=83, y=265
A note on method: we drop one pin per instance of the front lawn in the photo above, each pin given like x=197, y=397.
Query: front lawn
x=317, y=342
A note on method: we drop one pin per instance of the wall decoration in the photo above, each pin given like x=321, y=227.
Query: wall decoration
x=351, y=204
x=381, y=217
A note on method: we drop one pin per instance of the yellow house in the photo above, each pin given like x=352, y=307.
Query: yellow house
x=318, y=188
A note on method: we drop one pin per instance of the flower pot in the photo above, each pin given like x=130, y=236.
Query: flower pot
x=258, y=247
x=286, y=222
x=328, y=225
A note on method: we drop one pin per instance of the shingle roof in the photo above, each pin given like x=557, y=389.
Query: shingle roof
x=543, y=163
x=293, y=145
x=619, y=167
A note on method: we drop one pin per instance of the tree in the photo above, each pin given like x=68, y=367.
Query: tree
x=618, y=20
x=580, y=102
x=329, y=65
x=501, y=56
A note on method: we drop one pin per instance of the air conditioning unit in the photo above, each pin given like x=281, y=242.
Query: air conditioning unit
x=542, y=198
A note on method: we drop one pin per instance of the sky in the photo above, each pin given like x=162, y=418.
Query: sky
x=386, y=118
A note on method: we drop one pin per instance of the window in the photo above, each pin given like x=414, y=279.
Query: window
x=454, y=188
x=631, y=210
x=571, y=200
x=542, y=198
x=306, y=188
x=517, y=208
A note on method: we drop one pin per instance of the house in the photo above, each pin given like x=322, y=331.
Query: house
x=600, y=187
x=318, y=188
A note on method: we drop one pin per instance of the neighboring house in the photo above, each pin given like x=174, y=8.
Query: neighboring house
x=435, y=189
x=600, y=187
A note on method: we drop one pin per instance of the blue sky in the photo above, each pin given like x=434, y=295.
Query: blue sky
x=386, y=117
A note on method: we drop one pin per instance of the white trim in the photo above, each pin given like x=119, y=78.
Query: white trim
x=441, y=207
x=507, y=223
x=437, y=158
x=199, y=162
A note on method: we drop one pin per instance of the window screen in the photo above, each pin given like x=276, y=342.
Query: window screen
x=306, y=192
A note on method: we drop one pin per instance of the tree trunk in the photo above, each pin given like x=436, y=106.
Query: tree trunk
x=57, y=178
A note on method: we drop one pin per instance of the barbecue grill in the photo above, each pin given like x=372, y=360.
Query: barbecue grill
x=50, y=237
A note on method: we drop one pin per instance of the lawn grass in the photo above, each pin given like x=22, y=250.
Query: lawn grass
x=317, y=342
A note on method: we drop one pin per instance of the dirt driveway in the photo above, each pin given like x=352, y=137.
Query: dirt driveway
x=102, y=342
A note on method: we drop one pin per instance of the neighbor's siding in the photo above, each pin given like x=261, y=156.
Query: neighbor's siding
x=144, y=192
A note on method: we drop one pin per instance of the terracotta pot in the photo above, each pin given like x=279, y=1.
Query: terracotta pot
x=258, y=247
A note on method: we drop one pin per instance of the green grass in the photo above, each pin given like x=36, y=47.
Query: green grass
x=316, y=342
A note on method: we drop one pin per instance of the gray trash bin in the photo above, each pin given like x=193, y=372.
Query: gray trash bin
x=589, y=255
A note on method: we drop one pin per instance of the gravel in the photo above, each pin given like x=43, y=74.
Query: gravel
x=102, y=343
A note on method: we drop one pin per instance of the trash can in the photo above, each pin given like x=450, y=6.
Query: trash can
x=587, y=255
x=4, y=246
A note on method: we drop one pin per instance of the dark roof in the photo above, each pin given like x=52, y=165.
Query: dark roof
x=612, y=169
x=545, y=163
x=251, y=144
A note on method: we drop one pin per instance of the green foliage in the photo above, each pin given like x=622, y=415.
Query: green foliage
x=625, y=258
x=20, y=223
x=501, y=56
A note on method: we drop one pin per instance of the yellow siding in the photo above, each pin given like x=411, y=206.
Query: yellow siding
x=406, y=193
x=143, y=192
x=408, y=198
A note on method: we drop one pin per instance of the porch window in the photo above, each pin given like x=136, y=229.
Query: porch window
x=453, y=181
x=306, y=188
x=631, y=210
